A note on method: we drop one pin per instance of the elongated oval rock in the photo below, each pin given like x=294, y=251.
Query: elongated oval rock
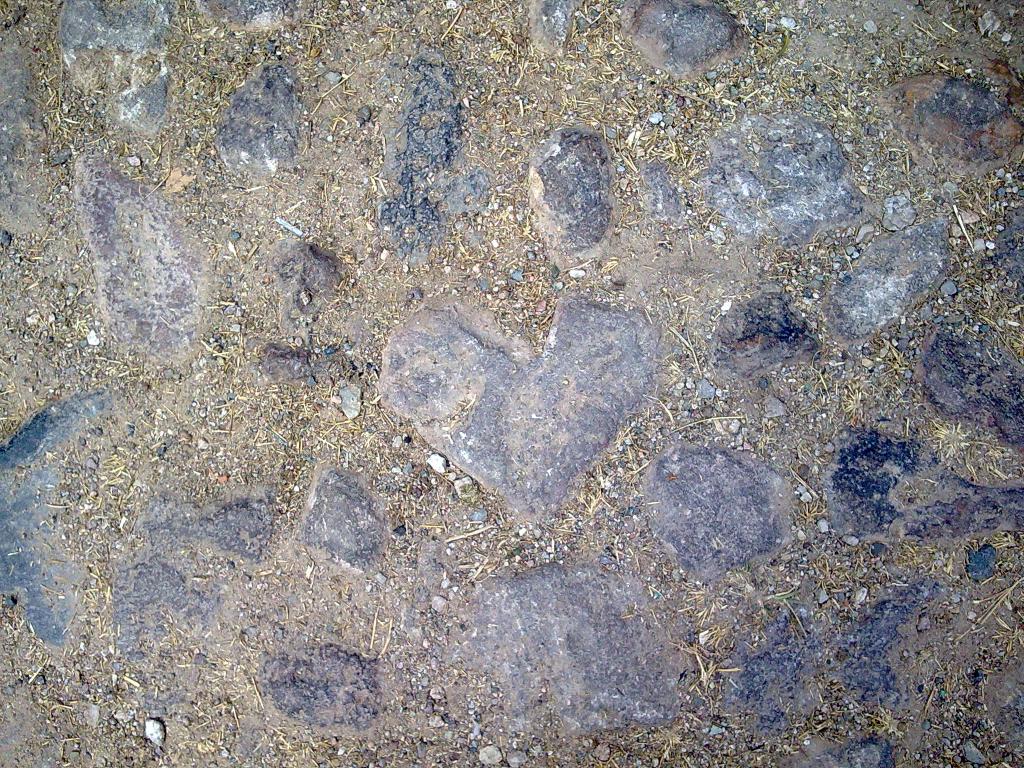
x=22, y=192
x=955, y=123
x=762, y=333
x=892, y=274
x=259, y=131
x=683, y=37
x=716, y=509
x=151, y=272
x=570, y=191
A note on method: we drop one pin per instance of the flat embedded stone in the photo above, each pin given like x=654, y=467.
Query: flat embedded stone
x=762, y=333
x=570, y=180
x=954, y=123
x=285, y=364
x=256, y=15
x=1009, y=254
x=551, y=23
x=716, y=509
x=258, y=133
x=150, y=270
x=683, y=37
x=343, y=519
x=1004, y=700
x=324, y=686
x=892, y=274
x=22, y=192
x=51, y=428
x=662, y=198
x=308, y=278
x=871, y=752
x=525, y=426
x=783, y=176
x=971, y=381
x=241, y=526
x=572, y=640
x=957, y=508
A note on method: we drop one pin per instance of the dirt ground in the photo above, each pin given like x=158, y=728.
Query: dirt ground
x=208, y=428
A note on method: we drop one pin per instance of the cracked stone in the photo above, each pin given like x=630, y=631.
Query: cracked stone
x=343, y=519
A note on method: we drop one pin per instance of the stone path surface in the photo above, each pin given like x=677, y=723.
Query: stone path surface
x=627, y=383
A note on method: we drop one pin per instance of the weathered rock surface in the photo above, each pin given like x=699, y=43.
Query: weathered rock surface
x=716, y=509
x=782, y=176
x=1004, y=700
x=285, y=364
x=22, y=192
x=308, y=278
x=570, y=190
x=774, y=684
x=968, y=380
x=573, y=640
x=150, y=270
x=1009, y=253
x=343, y=519
x=762, y=333
x=251, y=14
x=551, y=23
x=661, y=195
x=324, y=686
x=892, y=274
x=870, y=665
x=34, y=566
x=241, y=527
x=524, y=426
x=958, y=508
x=954, y=123
x=427, y=144
x=106, y=44
x=259, y=130
x=871, y=752
x=683, y=37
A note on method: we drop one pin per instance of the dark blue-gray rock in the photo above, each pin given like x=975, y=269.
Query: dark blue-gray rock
x=106, y=44
x=344, y=520
x=258, y=133
x=22, y=191
x=151, y=272
x=955, y=124
x=526, y=426
x=1004, y=702
x=859, y=485
x=423, y=152
x=892, y=274
x=683, y=37
x=308, y=278
x=716, y=509
x=551, y=23
x=573, y=641
x=255, y=15
x=34, y=565
x=774, y=682
x=956, y=508
x=570, y=181
x=468, y=193
x=968, y=380
x=783, y=177
x=1009, y=253
x=661, y=195
x=324, y=686
x=762, y=333
x=981, y=562
x=869, y=655
x=871, y=752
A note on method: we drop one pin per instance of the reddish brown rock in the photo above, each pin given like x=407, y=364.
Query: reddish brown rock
x=955, y=123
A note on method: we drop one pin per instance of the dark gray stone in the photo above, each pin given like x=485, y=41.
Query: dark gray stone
x=22, y=192
x=573, y=640
x=716, y=509
x=683, y=37
x=259, y=130
x=342, y=519
x=51, y=428
x=570, y=191
x=308, y=278
x=254, y=15
x=661, y=195
x=468, y=193
x=763, y=333
x=774, y=685
x=1004, y=701
x=522, y=425
x=957, y=508
x=150, y=271
x=143, y=106
x=953, y=123
x=324, y=686
x=782, y=176
x=871, y=752
x=967, y=380
x=285, y=364
x=981, y=562
x=551, y=23
x=892, y=274
x=1009, y=253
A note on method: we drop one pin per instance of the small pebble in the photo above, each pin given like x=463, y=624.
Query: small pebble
x=981, y=562
x=870, y=27
x=948, y=288
x=973, y=755
x=155, y=731
x=490, y=755
x=438, y=463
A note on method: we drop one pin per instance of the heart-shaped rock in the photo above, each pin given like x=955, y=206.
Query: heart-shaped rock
x=526, y=426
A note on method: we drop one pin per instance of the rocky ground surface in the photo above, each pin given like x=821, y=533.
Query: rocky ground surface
x=543, y=383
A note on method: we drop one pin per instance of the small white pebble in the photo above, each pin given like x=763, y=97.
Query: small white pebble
x=438, y=463
x=92, y=339
x=155, y=731
x=577, y=274
x=823, y=526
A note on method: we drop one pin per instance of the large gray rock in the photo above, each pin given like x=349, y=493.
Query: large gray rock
x=683, y=37
x=892, y=274
x=974, y=382
x=573, y=640
x=954, y=123
x=782, y=176
x=150, y=271
x=570, y=190
x=22, y=191
x=524, y=426
x=34, y=564
x=343, y=519
x=254, y=15
x=259, y=130
x=716, y=509
x=551, y=23
x=762, y=333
